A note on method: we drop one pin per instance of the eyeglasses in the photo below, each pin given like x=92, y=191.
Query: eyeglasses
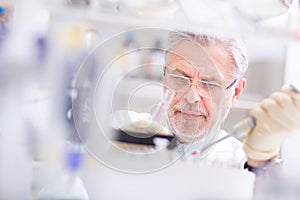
x=182, y=84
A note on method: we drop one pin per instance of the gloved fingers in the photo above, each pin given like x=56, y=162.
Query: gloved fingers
x=291, y=89
x=286, y=112
x=286, y=103
x=269, y=116
x=276, y=117
x=269, y=105
x=263, y=119
x=283, y=99
x=257, y=111
x=274, y=110
x=294, y=95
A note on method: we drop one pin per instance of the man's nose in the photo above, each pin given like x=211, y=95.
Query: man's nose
x=192, y=95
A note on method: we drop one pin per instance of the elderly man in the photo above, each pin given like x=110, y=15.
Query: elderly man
x=206, y=74
x=202, y=70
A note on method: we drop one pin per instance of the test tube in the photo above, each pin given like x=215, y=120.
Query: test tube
x=162, y=105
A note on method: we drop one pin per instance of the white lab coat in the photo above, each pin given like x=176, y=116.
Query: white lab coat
x=228, y=153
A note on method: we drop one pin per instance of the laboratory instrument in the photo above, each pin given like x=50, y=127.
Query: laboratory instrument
x=243, y=128
x=162, y=105
x=239, y=131
x=142, y=138
x=151, y=136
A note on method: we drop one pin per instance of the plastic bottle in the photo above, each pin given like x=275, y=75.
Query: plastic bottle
x=68, y=185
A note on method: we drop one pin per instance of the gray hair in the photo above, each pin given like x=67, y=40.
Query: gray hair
x=235, y=48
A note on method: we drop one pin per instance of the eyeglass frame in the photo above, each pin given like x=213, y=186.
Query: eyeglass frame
x=190, y=80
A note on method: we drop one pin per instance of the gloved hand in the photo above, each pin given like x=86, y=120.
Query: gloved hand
x=276, y=118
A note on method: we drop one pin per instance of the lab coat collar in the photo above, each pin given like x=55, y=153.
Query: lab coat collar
x=195, y=147
x=187, y=149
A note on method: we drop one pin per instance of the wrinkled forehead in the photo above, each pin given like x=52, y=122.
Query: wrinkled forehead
x=192, y=58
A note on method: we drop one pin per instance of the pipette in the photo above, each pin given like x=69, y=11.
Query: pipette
x=239, y=131
x=243, y=128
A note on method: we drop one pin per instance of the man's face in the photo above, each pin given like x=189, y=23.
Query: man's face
x=194, y=111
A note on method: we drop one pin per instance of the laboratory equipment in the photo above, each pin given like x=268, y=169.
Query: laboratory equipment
x=143, y=138
x=152, y=132
x=239, y=131
x=162, y=106
x=243, y=128
x=68, y=184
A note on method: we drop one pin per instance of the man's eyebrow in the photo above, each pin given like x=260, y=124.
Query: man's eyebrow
x=180, y=71
x=211, y=75
x=204, y=77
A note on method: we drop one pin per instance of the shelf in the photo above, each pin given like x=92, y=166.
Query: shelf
x=178, y=21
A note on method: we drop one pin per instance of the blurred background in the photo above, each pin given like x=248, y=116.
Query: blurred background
x=65, y=63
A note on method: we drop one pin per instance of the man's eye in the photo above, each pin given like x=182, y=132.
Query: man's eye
x=211, y=82
x=181, y=78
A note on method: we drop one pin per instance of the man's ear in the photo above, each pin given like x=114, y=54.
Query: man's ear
x=238, y=90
